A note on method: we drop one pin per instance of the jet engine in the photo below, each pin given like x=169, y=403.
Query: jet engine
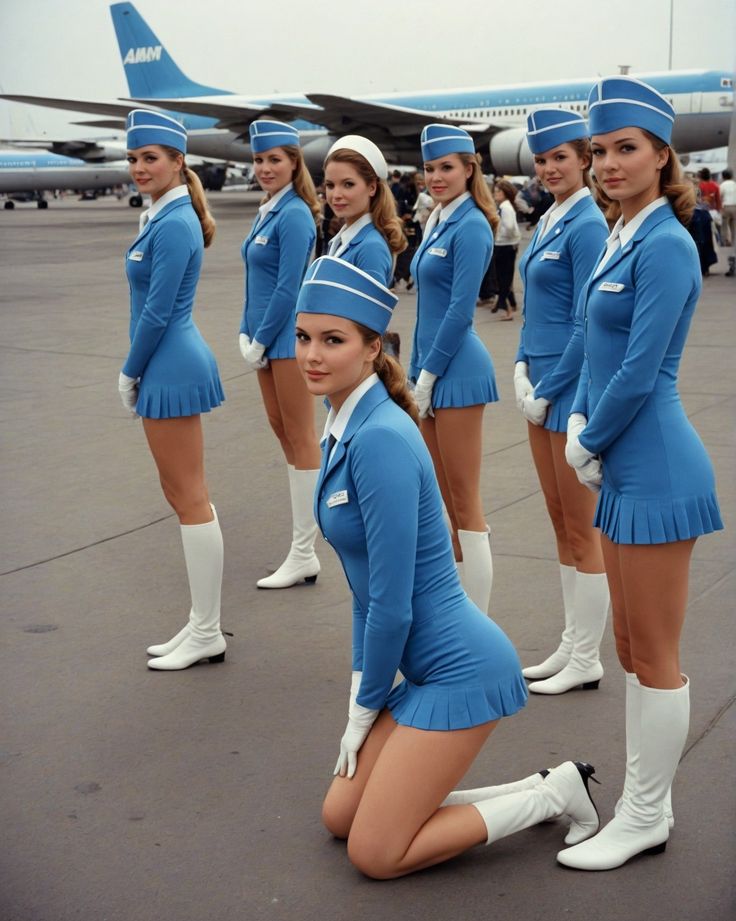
x=510, y=154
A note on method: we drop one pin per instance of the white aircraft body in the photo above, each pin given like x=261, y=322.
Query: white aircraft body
x=30, y=171
x=217, y=120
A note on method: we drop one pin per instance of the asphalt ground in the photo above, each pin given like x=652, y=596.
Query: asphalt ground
x=130, y=795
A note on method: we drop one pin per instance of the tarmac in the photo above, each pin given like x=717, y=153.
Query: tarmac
x=132, y=795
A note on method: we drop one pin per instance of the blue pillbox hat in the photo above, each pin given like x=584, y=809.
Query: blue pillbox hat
x=548, y=128
x=336, y=287
x=265, y=134
x=145, y=127
x=624, y=102
x=440, y=140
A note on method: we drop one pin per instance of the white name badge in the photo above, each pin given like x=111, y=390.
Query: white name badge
x=612, y=286
x=261, y=241
x=550, y=254
x=437, y=251
x=338, y=498
x=136, y=256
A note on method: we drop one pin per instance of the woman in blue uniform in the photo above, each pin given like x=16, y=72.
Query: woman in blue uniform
x=378, y=504
x=566, y=244
x=276, y=253
x=356, y=190
x=628, y=431
x=452, y=370
x=170, y=376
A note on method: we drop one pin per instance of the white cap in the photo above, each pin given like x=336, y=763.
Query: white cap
x=366, y=149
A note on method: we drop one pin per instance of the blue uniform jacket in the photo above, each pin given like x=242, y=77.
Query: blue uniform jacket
x=449, y=267
x=637, y=314
x=162, y=265
x=276, y=253
x=369, y=251
x=554, y=271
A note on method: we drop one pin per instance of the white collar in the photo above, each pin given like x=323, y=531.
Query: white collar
x=345, y=234
x=337, y=422
x=627, y=231
x=273, y=201
x=555, y=214
x=452, y=207
x=179, y=191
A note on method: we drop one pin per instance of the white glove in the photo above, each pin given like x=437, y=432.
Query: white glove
x=244, y=343
x=535, y=408
x=254, y=355
x=128, y=388
x=522, y=385
x=575, y=454
x=423, y=393
x=591, y=474
x=360, y=721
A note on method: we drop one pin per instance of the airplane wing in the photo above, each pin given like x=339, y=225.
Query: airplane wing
x=116, y=107
x=232, y=115
x=87, y=150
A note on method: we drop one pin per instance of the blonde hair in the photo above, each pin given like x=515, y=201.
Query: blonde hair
x=197, y=194
x=672, y=184
x=478, y=188
x=303, y=185
x=392, y=375
x=383, y=203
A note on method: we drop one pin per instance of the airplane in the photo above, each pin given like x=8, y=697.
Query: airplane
x=217, y=120
x=91, y=150
x=30, y=171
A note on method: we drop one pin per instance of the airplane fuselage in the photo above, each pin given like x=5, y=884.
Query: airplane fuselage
x=33, y=172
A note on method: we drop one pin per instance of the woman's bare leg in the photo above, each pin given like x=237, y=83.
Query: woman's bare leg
x=429, y=434
x=459, y=435
x=578, y=511
x=399, y=826
x=270, y=398
x=177, y=447
x=296, y=413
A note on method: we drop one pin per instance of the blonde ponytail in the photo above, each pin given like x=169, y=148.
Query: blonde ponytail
x=478, y=188
x=199, y=203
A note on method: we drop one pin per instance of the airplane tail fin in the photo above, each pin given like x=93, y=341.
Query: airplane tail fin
x=149, y=68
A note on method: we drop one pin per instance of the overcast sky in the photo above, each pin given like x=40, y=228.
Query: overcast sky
x=68, y=47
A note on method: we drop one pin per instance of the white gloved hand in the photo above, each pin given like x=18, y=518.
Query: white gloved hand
x=522, y=385
x=591, y=475
x=535, y=408
x=128, y=389
x=423, y=393
x=360, y=721
x=575, y=454
x=254, y=355
x=244, y=344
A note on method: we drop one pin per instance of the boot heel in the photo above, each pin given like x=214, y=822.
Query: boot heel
x=657, y=849
x=220, y=657
x=591, y=685
x=311, y=579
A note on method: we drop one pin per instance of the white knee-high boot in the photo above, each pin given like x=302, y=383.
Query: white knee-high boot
x=641, y=826
x=563, y=792
x=633, y=737
x=468, y=797
x=561, y=656
x=477, y=569
x=203, y=553
x=591, y=610
x=301, y=564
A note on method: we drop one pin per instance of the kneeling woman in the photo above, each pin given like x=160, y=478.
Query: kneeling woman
x=170, y=375
x=378, y=504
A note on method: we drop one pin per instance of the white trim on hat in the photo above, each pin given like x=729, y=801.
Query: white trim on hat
x=132, y=128
x=633, y=102
x=573, y=121
x=148, y=113
x=335, y=284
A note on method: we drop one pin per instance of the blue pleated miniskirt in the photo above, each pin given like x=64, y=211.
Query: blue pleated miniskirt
x=561, y=406
x=460, y=686
x=469, y=378
x=181, y=378
x=284, y=344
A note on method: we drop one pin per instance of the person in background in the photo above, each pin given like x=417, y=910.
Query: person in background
x=561, y=255
x=170, y=376
x=404, y=749
x=727, y=189
x=505, y=246
x=629, y=436
x=276, y=253
x=451, y=368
